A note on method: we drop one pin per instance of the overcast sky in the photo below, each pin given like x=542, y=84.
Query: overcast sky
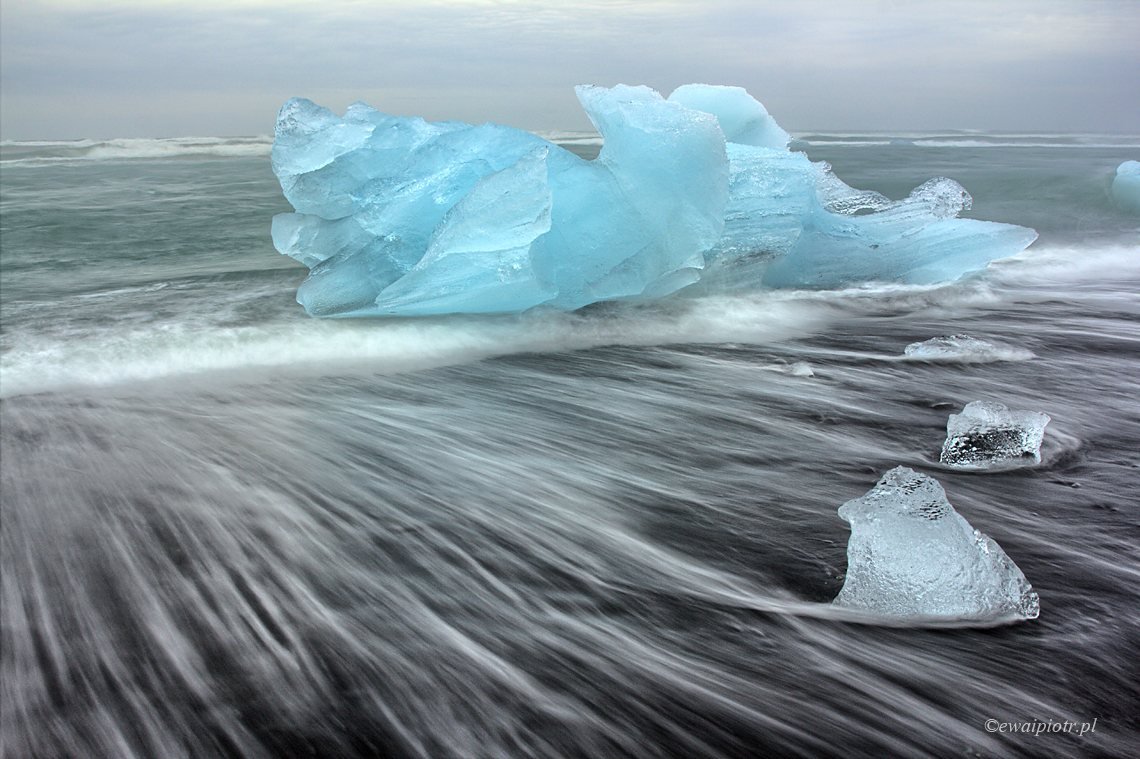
x=125, y=68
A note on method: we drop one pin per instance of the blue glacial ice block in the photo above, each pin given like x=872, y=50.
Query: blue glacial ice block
x=917, y=241
x=635, y=222
x=793, y=223
x=1126, y=186
x=400, y=216
x=742, y=118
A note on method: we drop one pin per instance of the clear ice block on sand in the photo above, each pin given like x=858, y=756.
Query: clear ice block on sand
x=911, y=555
x=987, y=433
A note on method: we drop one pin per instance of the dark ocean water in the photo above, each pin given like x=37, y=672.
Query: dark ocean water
x=232, y=530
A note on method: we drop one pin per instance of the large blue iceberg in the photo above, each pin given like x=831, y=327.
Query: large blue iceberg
x=398, y=216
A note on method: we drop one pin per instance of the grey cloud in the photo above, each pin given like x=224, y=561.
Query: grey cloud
x=222, y=69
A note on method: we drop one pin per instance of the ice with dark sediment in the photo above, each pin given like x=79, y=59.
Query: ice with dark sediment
x=397, y=216
x=963, y=349
x=1126, y=186
x=988, y=434
x=911, y=555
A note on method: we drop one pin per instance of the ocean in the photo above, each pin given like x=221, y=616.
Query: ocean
x=229, y=529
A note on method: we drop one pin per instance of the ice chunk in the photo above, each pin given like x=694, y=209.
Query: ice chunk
x=398, y=216
x=914, y=241
x=912, y=555
x=1126, y=186
x=987, y=434
x=964, y=349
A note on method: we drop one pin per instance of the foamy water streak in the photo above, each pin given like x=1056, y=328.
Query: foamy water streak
x=13, y=153
x=304, y=346
x=209, y=342
x=229, y=530
x=622, y=550
x=1065, y=265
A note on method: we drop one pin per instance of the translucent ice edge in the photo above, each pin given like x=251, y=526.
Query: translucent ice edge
x=912, y=556
x=397, y=216
x=964, y=349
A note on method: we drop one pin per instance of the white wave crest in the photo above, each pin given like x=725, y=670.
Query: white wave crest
x=1008, y=144
x=314, y=347
x=180, y=146
x=51, y=152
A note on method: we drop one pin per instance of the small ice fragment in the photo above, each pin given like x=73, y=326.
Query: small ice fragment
x=988, y=433
x=794, y=368
x=1126, y=186
x=964, y=349
x=912, y=555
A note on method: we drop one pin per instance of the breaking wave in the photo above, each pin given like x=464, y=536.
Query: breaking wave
x=13, y=153
x=300, y=346
x=971, y=140
x=214, y=342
